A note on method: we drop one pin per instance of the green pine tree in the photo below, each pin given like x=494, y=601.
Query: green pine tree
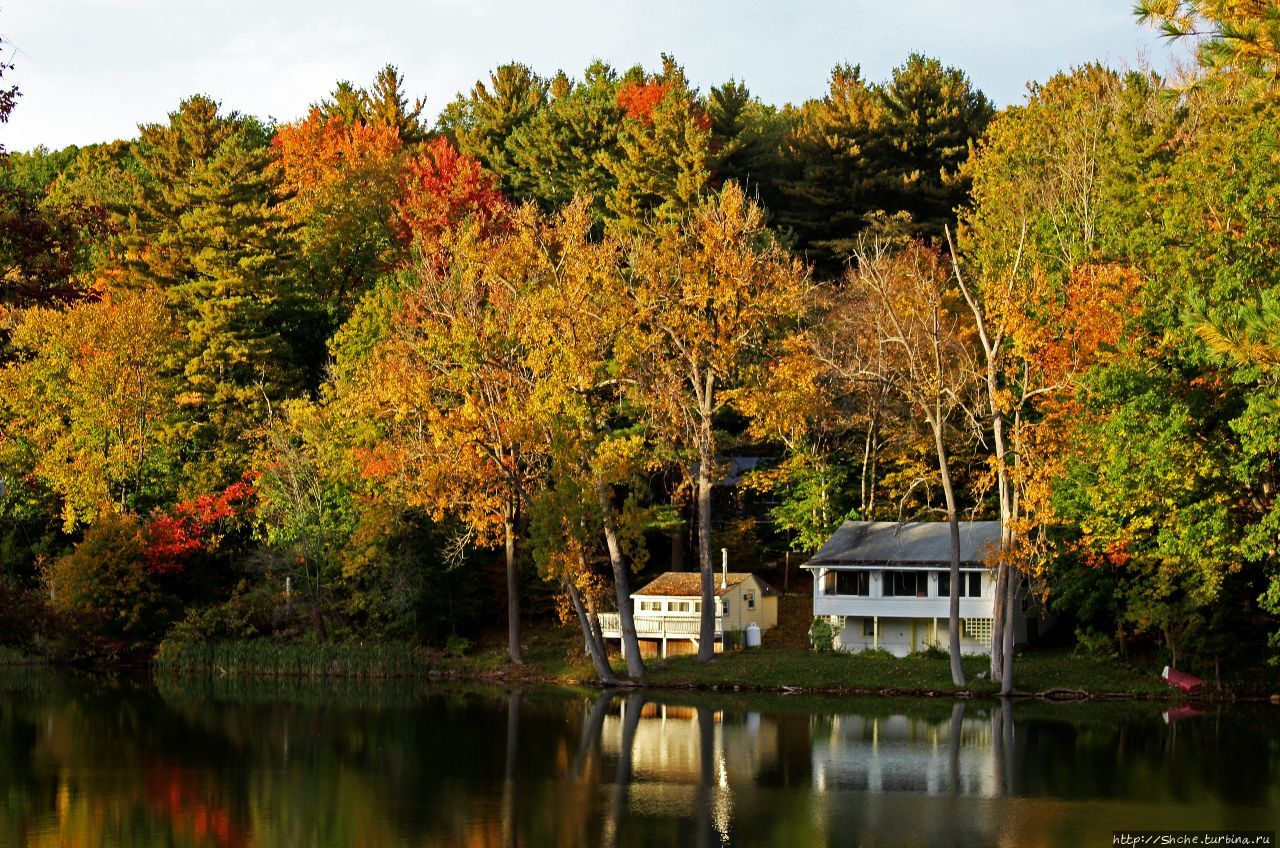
x=479, y=124
x=933, y=116
x=663, y=164
x=746, y=140
x=561, y=151
x=207, y=231
x=833, y=159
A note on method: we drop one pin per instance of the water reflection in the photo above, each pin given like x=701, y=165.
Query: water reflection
x=93, y=762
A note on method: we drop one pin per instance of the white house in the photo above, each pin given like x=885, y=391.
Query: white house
x=886, y=585
x=668, y=611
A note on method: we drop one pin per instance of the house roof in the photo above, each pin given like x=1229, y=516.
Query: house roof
x=890, y=543
x=688, y=584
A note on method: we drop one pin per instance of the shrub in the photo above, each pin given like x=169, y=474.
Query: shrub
x=1091, y=643
x=932, y=652
x=105, y=586
x=822, y=635
x=24, y=615
x=734, y=640
x=456, y=646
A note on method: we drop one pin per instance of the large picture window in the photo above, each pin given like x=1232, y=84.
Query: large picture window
x=906, y=584
x=970, y=584
x=856, y=583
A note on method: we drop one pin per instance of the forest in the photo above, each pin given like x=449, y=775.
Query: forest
x=363, y=376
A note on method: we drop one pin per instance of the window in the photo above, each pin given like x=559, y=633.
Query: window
x=906, y=584
x=869, y=627
x=856, y=583
x=697, y=606
x=970, y=584
x=724, y=606
x=679, y=606
x=750, y=598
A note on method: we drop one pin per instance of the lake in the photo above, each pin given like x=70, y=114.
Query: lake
x=90, y=760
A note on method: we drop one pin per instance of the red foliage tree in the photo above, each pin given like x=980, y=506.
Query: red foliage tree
x=197, y=525
x=442, y=189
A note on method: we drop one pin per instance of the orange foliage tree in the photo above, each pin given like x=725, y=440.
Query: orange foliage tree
x=450, y=389
x=712, y=297
x=342, y=183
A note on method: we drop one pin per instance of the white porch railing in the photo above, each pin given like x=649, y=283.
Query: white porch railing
x=657, y=627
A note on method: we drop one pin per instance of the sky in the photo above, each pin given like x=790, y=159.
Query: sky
x=92, y=70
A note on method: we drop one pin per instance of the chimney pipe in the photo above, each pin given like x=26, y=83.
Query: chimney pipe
x=724, y=568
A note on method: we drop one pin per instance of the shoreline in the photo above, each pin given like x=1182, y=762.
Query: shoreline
x=508, y=679
x=553, y=657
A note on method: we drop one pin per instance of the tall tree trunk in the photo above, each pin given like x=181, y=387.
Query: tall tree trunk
x=998, y=621
x=621, y=585
x=991, y=349
x=871, y=462
x=679, y=541
x=707, y=624
x=317, y=622
x=513, y=587
x=1004, y=488
x=595, y=645
x=953, y=520
x=1006, y=646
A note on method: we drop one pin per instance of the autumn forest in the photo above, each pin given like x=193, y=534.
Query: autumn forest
x=366, y=376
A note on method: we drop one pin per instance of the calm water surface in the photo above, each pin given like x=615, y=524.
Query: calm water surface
x=92, y=761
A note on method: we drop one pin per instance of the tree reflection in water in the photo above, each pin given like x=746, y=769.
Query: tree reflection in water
x=86, y=762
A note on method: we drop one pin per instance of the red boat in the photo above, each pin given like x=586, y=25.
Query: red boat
x=1186, y=682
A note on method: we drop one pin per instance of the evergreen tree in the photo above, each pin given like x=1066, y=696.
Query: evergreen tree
x=383, y=105
x=562, y=150
x=746, y=140
x=932, y=118
x=387, y=105
x=834, y=155
x=480, y=124
x=346, y=102
x=663, y=164
x=205, y=228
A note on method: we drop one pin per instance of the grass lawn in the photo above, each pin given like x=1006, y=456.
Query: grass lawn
x=775, y=668
x=555, y=654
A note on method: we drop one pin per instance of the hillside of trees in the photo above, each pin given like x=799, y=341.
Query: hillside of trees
x=361, y=376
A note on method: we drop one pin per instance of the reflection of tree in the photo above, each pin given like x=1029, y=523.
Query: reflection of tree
x=91, y=765
x=704, y=820
x=953, y=747
x=632, y=708
x=509, y=792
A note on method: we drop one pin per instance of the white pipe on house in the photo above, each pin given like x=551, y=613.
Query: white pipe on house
x=724, y=568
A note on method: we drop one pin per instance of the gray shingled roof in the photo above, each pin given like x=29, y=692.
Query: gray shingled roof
x=868, y=542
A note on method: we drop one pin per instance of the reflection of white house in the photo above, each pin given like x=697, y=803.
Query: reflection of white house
x=667, y=612
x=901, y=754
x=886, y=585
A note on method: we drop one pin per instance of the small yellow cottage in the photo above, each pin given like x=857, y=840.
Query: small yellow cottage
x=668, y=611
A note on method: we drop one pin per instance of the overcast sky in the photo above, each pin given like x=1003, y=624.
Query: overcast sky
x=92, y=70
